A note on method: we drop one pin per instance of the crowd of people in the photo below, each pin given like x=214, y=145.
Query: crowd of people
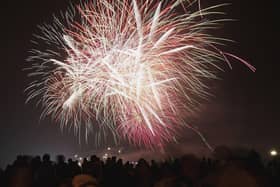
x=223, y=169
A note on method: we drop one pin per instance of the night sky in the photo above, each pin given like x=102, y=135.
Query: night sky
x=243, y=112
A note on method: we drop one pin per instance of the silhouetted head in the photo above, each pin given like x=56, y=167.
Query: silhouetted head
x=142, y=162
x=94, y=158
x=46, y=158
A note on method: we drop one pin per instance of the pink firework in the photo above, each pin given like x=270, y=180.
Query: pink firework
x=135, y=68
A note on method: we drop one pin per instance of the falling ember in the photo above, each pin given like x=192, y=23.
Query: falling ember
x=135, y=68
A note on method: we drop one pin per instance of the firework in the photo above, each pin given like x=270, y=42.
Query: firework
x=136, y=69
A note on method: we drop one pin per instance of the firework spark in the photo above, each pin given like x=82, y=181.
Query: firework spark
x=135, y=68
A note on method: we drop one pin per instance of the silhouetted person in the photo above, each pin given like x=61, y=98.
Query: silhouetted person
x=95, y=167
x=73, y=168
x=143, y=174
x=20, y=173
x=45, y=175
x=61, y=168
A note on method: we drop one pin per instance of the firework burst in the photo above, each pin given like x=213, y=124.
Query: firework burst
x=134, y=68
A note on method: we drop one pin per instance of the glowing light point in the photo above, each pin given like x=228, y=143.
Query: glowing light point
x=273, y=153
x=80, y=164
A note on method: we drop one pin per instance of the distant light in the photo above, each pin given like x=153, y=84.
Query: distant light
x=134, y=163
x=105, y=156
x=80, y=164
x=109, y=148
x=119, y=151
x=81, y=158
x=76, y=156
x=273, y=152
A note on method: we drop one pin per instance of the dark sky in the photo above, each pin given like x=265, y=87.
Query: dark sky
x=244, y=111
